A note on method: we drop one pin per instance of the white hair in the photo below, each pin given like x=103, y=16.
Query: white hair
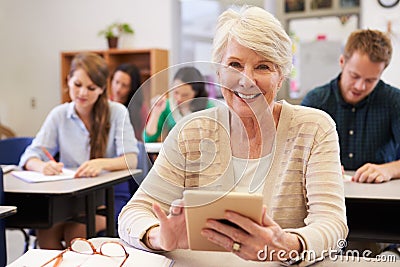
x=257, y=29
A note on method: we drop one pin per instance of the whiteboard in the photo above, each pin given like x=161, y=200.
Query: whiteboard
x=317, y=64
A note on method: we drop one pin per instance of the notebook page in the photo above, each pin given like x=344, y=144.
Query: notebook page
x=37, y=177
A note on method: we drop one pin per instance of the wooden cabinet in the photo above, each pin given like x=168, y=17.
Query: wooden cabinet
x=149, y=61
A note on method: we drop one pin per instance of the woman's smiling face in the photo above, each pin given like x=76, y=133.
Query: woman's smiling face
x=249, y=81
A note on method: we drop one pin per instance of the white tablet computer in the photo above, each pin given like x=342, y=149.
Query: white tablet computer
x=201, y=205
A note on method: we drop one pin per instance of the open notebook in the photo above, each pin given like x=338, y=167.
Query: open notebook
x=37, y=257
x=37, y=177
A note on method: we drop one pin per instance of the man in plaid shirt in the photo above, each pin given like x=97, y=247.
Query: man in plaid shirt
x=366, y=109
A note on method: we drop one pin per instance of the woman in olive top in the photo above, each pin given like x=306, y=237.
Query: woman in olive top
x=188, y=94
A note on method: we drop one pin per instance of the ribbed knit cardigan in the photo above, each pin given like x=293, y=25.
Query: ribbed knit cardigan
x=303, y=190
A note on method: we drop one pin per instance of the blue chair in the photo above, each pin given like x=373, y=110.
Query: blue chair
x=11, y=150
x=3, y=250
x=123, y=192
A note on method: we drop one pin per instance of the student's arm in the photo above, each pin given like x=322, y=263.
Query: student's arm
x=378, y=173
x=155, y=123
x=92, y=168
x=34, y=158
x=123, y=152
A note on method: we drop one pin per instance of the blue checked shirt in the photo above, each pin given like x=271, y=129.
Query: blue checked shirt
x=369, y=132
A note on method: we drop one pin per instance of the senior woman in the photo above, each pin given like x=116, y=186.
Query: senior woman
x=303, y=188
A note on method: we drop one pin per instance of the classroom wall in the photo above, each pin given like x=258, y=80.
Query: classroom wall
x=374, y=16
x=35, y=32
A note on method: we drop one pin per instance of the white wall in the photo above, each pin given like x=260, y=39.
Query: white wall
x=373, y=16
x=35, y=32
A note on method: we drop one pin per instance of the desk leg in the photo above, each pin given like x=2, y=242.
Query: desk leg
x=110, y=212
x=90, y=215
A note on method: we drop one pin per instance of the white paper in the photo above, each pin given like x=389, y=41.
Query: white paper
x=8, y=168
x=36, y=177
x=347, y=178
x=37, y=257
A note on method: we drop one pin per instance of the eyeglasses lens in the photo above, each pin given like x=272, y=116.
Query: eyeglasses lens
x=82, y=246
x=112, y=250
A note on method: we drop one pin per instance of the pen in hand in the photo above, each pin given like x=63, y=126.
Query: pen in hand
x=48, y=155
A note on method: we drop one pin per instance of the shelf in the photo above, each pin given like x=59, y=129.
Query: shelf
x=299, y=9
x=149, y=62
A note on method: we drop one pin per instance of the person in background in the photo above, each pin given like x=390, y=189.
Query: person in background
x=125, y=84
x=89, y=133
x=367, y=115
x=303, y=190
x=366, y=109
x=125, y=89
x=188, y=94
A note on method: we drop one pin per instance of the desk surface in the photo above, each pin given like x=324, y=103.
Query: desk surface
x=13, y=184
x=185, y=258
x=384, y=191
x=7, y=211
x=370, y=209
x=41, y=205
x=153, y=147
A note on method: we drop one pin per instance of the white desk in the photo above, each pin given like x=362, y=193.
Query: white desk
x=6, y=211
x=41, y=205
x=181, y=258
x=153, y=148
x=383, y=191
x=185, y=258
x=371, y=209
x=37, y=257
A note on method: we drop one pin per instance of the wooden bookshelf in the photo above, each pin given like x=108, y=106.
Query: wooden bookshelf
x=149, y=61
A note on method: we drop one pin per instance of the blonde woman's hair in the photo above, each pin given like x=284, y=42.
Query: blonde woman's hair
x=257, y=29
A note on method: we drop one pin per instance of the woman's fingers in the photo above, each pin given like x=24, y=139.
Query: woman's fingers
x=52, y=168
x=172, y=227
x=176, y=207
x=221, y=240
x=159, y=213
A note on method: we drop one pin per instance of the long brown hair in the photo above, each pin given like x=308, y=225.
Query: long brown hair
x=97, y=70
x=135, y=100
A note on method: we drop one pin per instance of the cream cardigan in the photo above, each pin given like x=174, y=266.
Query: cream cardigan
x=303, y=190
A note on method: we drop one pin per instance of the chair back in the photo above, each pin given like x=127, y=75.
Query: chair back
x=11, y=149
x=144, y=164
x=3, y=250
x=124, y=191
